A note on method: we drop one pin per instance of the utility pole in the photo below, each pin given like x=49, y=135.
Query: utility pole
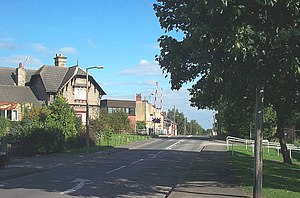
x=174, y=120
x=185, y=120
x=258, y=158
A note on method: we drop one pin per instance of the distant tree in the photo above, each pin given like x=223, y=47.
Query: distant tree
x=179, y=119
x=194, y=128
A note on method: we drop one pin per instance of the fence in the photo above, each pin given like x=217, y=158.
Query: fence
x=275, y=145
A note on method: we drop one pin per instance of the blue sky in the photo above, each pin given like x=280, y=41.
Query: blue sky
x=121, y=35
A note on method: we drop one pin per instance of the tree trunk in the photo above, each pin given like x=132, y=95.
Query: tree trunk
x=283, y=147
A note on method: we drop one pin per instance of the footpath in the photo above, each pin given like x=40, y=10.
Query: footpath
x=210, y=174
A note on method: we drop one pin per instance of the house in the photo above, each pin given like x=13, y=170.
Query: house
x=23, y=87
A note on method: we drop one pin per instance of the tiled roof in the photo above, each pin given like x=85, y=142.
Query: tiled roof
x=8, y=75
x=71, y=72
x=117, y=103
x=20, y=94
x=52, y=76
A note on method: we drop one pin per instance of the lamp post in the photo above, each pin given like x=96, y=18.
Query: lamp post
x=87, y=130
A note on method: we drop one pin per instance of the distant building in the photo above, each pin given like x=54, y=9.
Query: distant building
x=20, y=88
x=125, y=106
x=142, y=110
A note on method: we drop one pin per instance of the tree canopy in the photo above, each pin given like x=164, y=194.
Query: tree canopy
x=229, y=49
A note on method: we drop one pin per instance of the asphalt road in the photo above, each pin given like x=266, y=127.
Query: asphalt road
x=145, y=170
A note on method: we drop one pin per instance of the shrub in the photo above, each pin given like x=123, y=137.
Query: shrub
x=40, y=138
x=4, y=123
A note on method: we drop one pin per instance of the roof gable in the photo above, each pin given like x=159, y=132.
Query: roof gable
x=52, y=77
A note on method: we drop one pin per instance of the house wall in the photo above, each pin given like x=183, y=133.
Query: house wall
x=69, y=92
x=11, y=106
x=79, y=106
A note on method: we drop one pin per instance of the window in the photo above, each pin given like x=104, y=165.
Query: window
x=131, y=111
x=2, y=113
x=14, y=115
x=9, y=114
x=80, y=93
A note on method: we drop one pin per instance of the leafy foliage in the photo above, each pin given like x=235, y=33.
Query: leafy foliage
x=229, y=49
x=39, y=138
x=184, y=127
x=63, y=115
x=108, y=123
x=140, y=124
x=4, y=123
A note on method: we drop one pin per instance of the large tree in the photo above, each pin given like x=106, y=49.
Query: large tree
x=230, y=48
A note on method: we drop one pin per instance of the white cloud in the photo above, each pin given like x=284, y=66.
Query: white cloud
x=143, y=68
x=8, y=46
x=68, y=50
x=91, y=44
x=39, y=47
x=7, y=39
x=14, y=60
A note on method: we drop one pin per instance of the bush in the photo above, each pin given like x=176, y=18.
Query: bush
x=40, y=138
x=4, y=123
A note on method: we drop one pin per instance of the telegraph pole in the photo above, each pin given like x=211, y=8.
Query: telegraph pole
x=258, y=156
x=174, y=120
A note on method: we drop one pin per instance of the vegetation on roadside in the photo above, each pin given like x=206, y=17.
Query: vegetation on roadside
x=185, y=127
x=4, y=124
x=229, y=50
x=279, y=179
x=55, y=129
x=114, y=141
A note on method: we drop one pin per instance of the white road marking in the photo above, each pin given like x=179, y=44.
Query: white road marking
x=115, y=169
x=137, y=161
x=169, y=147
x=152, y=156
x=80, y=185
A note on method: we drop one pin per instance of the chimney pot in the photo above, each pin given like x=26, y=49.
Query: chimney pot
x=138, y=97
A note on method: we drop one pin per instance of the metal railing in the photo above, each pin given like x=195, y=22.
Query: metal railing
x=230, y=140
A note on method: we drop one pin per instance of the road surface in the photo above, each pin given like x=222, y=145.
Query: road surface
x=146, y=170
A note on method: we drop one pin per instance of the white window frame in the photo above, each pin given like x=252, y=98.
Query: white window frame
x=80, y=93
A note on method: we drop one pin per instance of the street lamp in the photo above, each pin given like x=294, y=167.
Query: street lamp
x=87, y=130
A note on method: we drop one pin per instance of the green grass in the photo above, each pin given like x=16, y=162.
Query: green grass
x=116, y=140
x=279, y=179
x=122, y=139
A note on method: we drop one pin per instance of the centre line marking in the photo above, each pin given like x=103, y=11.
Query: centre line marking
x=169, y=147
x=137, y=161
x=115, y=169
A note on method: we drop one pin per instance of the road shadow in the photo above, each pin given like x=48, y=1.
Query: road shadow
x=124, y=172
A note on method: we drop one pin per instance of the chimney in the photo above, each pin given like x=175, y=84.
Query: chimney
x=60, y=60
x=138, y=97
x=21, y=75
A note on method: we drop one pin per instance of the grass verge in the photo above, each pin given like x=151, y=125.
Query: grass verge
x=279, y=179
x=115, y=141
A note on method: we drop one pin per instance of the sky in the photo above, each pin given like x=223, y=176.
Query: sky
x=120, y=35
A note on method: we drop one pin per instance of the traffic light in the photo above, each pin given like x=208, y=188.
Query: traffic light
x=156, y=120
